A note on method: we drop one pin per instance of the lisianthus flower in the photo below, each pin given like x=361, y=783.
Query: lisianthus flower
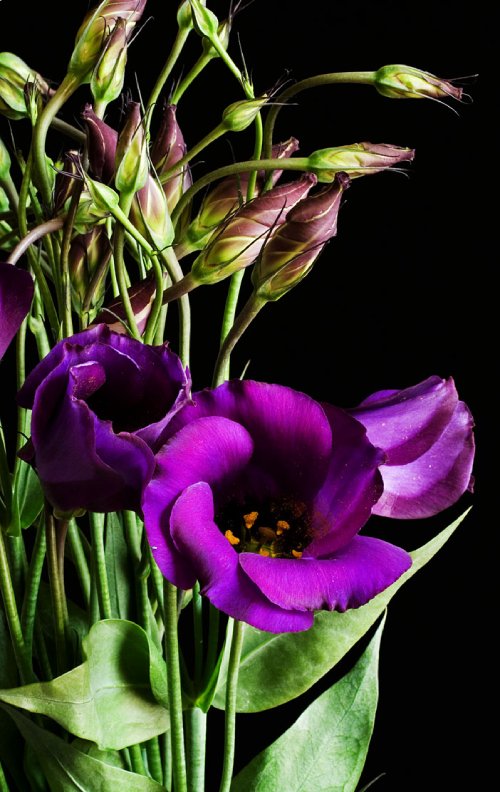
x=16, y=294
x=100, y=401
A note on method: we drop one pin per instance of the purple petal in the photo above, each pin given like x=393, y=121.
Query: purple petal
x=213, y=450
x=406, y=423
x=352, y=486
x=16, y=294
x=290, y=431
x=358, y=572
x=216, y=566
x=436, y=479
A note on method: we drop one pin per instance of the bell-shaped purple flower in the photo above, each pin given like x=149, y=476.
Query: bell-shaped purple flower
x=16, y=294
x=100, y=401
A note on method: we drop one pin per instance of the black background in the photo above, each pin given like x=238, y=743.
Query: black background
x=404, y=291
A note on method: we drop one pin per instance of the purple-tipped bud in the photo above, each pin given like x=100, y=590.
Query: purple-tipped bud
x=239, y=115
x=141, y=297
x=406, y=82
x=66, y=178
x=89, y=256
x=102, y=141
x=358, y=159
x=107, y=78
x=242, y=238
x=131, y=162
x=95, y=31
x=293, y=249
x=15, y=75
x=168, y=148
x=150, y=216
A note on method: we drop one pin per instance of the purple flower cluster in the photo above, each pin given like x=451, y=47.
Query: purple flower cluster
x=256, y=490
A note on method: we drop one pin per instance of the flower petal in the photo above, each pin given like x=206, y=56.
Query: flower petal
x=436, y=479
x=216, y=566
x=16, y=294
x=290, y=431
x=358, y=572
x=351, y=488
x=406, y=423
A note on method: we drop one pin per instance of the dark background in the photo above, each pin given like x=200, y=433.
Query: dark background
x=403, y=292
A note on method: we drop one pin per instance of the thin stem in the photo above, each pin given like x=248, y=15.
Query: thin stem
x=68, y=129
x=196, y=735
x=229, y=315
x=11, y=192
x=174, y=688
x=64, y=261
x=23, y=660
x=32, y=586
x=20, y=377
x=154, y=759
x=80, y=560
x=136, y=760
x=213, y=135
x=174, y=270
x=97, y=541
x=119, y=243
x=197, y=603
x=176, y=50
x=33, y=236
x=157, y=302
x=252, y=307
x=190, y=77
x=55, y=562
x=212, y=643
x=4, y=787
x=230, y=710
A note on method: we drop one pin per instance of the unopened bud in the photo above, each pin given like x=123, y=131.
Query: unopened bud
x=104, y=200
x=67, y=173
x=242, y=238
x=358, y=159
x=168, y=148
x=131, y=162
x=5, y=161
x=406, y=82
x=239, y=115
x=14, y=77
x=141, y=298
x=89, y=256
x=107, y=78
x=102, y=141
x=223, y=33
x=293, y=249
x=204, y=21
x=185, y=16
x=150, y=216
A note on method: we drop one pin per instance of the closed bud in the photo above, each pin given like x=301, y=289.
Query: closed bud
x=141, y=298
x=107, y=78
x=223, y=33
x=168, y=148
x=204, y=21
x=185, y=16
x=95, y=31
x=15, y=75
x=150, y=216
x=406, y=82
x=239, y=115
x=242, y=238
x=292, y=250
x=98, y=201
x=101, y=143
x=131, y=162
x=5, y=161
x=89, y=257
x=69, y=170
x=358, y=159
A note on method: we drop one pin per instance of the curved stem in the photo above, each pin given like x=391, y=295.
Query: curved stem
x=33, y=236
x=174, y=688
x=11, y=192
x=68, y=129
x=230, y=710
x=23, y=659
x=252, y=307
x=176, y=50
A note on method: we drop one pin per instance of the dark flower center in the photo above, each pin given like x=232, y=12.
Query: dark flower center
x=279, y=528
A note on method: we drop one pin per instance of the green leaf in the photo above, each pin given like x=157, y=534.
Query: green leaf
x=276, y=668
x=27, y=500
x=118, y=567
x=111, y=699
x=70, y=770
x=325, y=749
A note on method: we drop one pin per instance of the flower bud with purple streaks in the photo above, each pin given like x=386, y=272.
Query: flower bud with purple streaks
x=89, y=256
x=131, y=161
x=141, y=298
x=66, y=176
x=14, y=76
x=358, y=159
x=102, y=141
x=406, y=82
x=150, y=216
x=293, y=249
x=168, y=148
x=239, y=115
x=107, y=78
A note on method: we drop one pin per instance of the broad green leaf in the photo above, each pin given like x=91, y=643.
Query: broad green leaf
x=118, y=568
x=70, y=770
x=27, y=499
x=325, y=749
x=276, y=668
x=113, y=758
x=111, y=699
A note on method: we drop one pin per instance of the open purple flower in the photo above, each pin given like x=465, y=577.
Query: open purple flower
x=100, y=402
x=260, y=493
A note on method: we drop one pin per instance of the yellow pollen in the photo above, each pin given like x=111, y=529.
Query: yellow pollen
x=282, y=525
x=231, y=538
x=264, y=552
x=249, y=519
x=296, y=554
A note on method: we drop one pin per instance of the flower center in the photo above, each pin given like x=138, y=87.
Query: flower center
x=279, y=528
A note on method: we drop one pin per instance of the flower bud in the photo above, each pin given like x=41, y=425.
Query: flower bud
x=223, y=33
x=359, y=159
x=98, y=201
x=131, y=161
x=204, y=21
x=5, y=161
x=239, y=115
x=150, y=216
x=102, y=141
x=168, y=148
x=293, y=249
x=14, y=76
x=406, y=82
x=141, y=298
x=185, y=16
x=107, y=78
x=69, y=170
x=95, y=30
x=242, y=238
x=89, y=256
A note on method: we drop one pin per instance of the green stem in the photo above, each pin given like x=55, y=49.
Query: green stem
x=154, y=759
x=154, y=316
x=212, y=643
x=136, y=760
x=176, y=50
x=80, y=560
x=11, y=192
x=229, y=315
x=4, y=787
x=5, y=478
x=32, y=586
x=190, y=77
x=196, y=735
x=99, y=558
x=33, y=236
x=56, y=534
x=121, y=276
x=174, y=688
x=202, y=144
x=23, y=660
x=68, y=86
x=252, y=307
x=68, y=129
x=230, y=710
x=197, y=603
x=64, y=261
x=174, y=270
x=22, y=413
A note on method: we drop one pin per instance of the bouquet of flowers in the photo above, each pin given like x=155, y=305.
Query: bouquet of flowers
x=167, y=551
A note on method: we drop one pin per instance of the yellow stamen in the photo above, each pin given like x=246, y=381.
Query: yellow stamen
x=231, y=538
x=296, y=554
x=264, y=552
x=249, y=519
x=282, y=525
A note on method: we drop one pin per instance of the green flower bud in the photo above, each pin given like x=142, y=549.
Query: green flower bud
x=5, y=161
x=239, y=115
x=204, y=21
x=406, y=82
x=89, y=256
x=185, y=16
x=131, y=162
x=97, y=202
x=15, y=75
x=358, y=159
x=223, y=32
x=150, y=216
x=107, y=78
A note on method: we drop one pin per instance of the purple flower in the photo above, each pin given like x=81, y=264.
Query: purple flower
x=16, y=294
x=100, y=401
